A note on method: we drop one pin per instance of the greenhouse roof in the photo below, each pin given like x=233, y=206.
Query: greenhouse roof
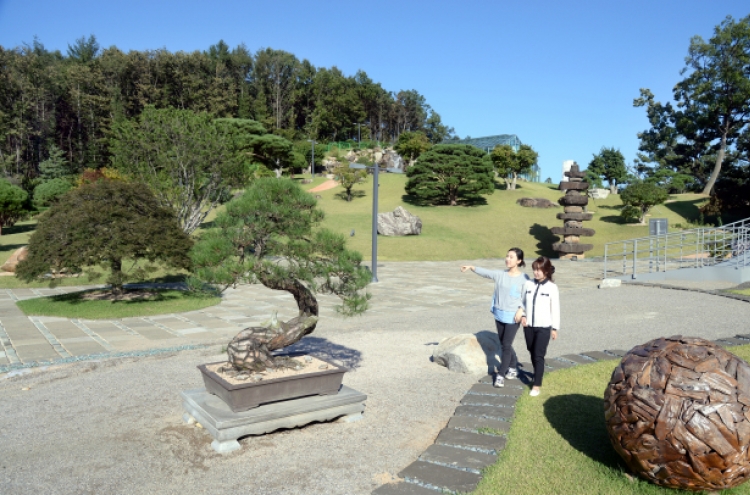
x=488, y=142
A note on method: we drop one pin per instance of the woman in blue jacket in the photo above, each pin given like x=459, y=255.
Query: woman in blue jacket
x=506, y=301
x=540, y=316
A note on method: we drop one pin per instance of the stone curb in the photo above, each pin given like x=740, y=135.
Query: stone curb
x=720, y=293
x=466, y=445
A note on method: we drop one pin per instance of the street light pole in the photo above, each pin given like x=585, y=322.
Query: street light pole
x=312, y=165
x=375, y=187
x=359, y=131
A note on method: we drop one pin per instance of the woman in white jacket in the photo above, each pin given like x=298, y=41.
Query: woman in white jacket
x=539, y=315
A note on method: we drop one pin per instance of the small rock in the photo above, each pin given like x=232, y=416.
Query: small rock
x=308, y=359
x=608, y=283
x=323, y=367
x=26, y=388
x=242, y=376
x=198, y=425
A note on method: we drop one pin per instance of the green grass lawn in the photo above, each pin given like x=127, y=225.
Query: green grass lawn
x=72, y=306
x=448, y=233
x=483, y=231
x=558, y=443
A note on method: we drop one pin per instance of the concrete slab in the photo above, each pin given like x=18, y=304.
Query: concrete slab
x=226, y=426
x=514, y=383
x=155, y=333
x=483, y=388
x=439, y=477
x=490, y=443
x=475, y=423
x=84, y=348
x=403, y=488
x=732, y=341
x=458, y=458
x=617, y=352
x=501, y=413
x=556, y=364
x=64, y=329
x=576, y=359
x=600, y=356
x=489, y=400
x=36, y=352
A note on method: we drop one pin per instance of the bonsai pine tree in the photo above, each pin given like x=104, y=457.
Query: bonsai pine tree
x=269, y=235
x=448, y=173
x=106, y=223
x=640, y=197
x=12, y=204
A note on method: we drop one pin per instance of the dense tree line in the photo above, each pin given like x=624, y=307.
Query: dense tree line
x=50, y=101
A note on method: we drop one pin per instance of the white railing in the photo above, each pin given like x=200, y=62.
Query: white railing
x=728, y=245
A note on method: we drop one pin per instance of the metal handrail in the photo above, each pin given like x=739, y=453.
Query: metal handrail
x=694, y=248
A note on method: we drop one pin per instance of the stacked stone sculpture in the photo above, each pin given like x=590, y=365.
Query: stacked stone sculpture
x=574, y=200
x=678, y=412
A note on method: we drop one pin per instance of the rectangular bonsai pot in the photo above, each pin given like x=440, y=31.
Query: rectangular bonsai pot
x=242, y=397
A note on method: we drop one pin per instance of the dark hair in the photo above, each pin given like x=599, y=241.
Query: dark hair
x=545, y=265
x=519, y=255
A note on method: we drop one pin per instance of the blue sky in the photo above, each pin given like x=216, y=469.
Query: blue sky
x=560, y=75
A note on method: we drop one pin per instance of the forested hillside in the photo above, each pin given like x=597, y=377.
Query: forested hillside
x=51, y=101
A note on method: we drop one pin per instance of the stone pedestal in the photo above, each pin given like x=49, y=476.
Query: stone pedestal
x=226, y=426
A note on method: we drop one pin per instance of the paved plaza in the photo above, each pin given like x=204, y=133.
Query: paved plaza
x=403, y=287
x=114, y=424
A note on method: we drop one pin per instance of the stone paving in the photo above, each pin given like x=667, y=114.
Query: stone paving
x=402, y=287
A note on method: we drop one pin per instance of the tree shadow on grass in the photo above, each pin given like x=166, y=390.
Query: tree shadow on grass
x=325, y=349
x=10, y=247
x=415, y=201
x=545, y=238
x=579, y=419
x=356, y=193
x=688, y=210
x=18, y=229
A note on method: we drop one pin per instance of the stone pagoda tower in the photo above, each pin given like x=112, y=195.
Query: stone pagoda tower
x=574, y=201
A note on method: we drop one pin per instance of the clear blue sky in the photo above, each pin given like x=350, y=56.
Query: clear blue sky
x=560, y=75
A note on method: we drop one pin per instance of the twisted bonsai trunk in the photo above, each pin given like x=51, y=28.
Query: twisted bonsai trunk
x=252, y=348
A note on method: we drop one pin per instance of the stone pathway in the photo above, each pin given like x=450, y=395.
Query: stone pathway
x=403, y=287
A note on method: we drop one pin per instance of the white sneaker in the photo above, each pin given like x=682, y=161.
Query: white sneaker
x=511, y=374
x=499, y=382
x=534, y=392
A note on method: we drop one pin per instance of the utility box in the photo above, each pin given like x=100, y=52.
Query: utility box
x=657, y=226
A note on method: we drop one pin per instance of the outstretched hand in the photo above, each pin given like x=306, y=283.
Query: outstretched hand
x=467, y=267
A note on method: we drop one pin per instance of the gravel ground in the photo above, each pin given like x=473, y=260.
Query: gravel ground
x=115, y=426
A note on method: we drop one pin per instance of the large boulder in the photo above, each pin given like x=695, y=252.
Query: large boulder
x=598, y=193
x=18, y=255
x=399, y=222
x=468, y=353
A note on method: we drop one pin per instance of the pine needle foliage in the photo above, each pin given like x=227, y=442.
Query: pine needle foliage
x=270, y=235
x=449, y=173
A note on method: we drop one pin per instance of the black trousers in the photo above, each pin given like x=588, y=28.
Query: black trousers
x=537, y=340
x=507, y=333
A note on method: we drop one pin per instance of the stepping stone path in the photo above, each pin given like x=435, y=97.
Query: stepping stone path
x=475, y=435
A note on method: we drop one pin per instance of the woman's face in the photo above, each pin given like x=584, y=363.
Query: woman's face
x=511, y=260
x=538, y=273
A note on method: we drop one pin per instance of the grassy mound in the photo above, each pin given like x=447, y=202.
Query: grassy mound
x=559, y=444
x=75, y=305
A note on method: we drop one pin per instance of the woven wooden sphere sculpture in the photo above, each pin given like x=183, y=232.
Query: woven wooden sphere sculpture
x=678, y=412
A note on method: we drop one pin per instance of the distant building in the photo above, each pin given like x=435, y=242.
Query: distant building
x=566, y=168
x=488, y=143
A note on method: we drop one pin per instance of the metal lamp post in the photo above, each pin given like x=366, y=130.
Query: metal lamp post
x=376, y=169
